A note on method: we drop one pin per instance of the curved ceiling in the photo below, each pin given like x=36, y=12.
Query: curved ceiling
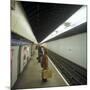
x=44, y=18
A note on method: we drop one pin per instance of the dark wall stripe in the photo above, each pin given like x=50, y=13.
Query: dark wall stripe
x=19, y=40
x=77, y=30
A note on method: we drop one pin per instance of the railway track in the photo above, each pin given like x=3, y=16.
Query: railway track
x=74, y=74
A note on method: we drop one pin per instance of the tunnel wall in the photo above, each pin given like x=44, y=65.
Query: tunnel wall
x=18, y=62
x=20, y=23
x=14, y=65
x=25, y=56
x=72, y=48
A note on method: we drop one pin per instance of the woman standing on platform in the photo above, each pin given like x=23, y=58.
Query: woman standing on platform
x=44, y=63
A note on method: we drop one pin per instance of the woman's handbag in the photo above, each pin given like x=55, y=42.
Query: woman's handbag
x=46, y=73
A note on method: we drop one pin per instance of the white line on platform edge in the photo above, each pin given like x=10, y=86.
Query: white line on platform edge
x=58, y=72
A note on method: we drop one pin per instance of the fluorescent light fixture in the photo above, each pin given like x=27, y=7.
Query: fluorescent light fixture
x=75, y=20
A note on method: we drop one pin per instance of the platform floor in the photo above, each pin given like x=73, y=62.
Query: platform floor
x=31, y=77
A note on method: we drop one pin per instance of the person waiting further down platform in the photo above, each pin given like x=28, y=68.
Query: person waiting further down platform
x=38, y=47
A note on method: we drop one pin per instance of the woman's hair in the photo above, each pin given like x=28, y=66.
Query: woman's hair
x=45, y=50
